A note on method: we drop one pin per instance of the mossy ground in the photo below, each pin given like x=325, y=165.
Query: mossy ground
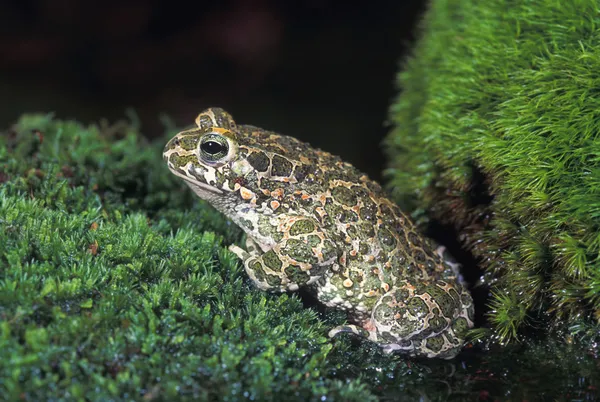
x=498, y=136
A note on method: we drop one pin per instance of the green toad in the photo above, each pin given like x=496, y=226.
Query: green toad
x=315, y=221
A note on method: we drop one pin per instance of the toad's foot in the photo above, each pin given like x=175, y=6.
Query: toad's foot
x=353, y=329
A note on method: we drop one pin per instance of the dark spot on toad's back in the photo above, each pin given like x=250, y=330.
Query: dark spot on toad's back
x=259, y=161
x=281, y=167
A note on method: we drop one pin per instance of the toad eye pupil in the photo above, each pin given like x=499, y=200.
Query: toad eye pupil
x=212, y=147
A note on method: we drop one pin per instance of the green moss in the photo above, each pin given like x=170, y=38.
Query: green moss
x=497, y=133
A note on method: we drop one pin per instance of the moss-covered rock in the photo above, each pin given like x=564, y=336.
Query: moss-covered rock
x=497, y=134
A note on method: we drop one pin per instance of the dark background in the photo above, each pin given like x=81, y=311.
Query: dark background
x=319, y=70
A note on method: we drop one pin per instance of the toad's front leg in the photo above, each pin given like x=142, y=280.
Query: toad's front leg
x=300, y=258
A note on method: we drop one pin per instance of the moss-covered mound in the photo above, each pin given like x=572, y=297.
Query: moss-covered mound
x=498, y=135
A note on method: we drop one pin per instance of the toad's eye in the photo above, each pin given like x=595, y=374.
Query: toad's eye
x=213, y=147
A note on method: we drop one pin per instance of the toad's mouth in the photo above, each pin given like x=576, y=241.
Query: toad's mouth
x=205, y=191
x=200, y=188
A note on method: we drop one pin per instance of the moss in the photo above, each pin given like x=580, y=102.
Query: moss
x=496, y=134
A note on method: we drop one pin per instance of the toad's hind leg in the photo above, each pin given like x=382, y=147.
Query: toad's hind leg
x=421, y=319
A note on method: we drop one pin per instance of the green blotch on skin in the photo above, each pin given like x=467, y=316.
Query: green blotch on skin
x=274, y=281
x=344, y=196
x=401, y=295
x=388, y=337
x=414, y=239
x=220, y=178
x=272, y=261
x=257, y=270
x=329, y=250
x=302, y=227
x=313, y=240
x=387, y=215
x=349, y=217
x=438, y=324
x=435, y=343
x=262, y=276
x=188, y=142
x=460, y=326
x=180, y=161
x=281, y=166
x=419, y=256
x=301, y=172
x=368, y=213
x=259, y=161
x=333, y=210
x=399, y=261
x=447, y=304
x=223, y=118
x=386, y=239
x=367, y=230
x=417, y=307
x=299, y=251
x=296, y=275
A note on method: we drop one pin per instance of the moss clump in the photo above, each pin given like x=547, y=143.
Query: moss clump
x=498, y=134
